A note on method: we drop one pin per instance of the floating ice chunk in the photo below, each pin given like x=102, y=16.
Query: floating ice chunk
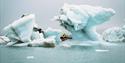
x=21, y=29
x=30, y=57
x=114, y=34
x=81, y=20
x=101, y=50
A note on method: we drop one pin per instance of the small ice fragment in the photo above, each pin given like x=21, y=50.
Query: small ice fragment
x=66, y=45
x=101, y=50
x=30, y=57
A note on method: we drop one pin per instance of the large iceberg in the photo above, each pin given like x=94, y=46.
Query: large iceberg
x=25, y=32
x=81, y=20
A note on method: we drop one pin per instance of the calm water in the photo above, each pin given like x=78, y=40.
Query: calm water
x=103, y=54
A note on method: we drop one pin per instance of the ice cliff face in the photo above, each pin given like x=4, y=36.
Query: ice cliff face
x=81, y=20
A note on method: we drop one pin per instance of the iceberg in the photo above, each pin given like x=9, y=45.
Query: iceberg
x=25, y=32
x=114, y=34
x=81, y=20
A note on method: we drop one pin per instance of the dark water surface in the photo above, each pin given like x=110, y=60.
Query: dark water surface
x=104, y=54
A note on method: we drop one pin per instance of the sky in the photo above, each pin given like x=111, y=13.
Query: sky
x=45, y=10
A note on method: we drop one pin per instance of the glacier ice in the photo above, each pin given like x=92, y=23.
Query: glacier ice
x=81, y=20
x=48, y=42
x=53, y=32
x=4, y=40
x=25, y=31
x=114, y=34
x=37, y=35
x=21, y=29
x=123, y=28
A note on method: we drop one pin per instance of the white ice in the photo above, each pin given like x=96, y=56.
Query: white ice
x=22, y=30
x=53, y=32
x=48, y=42
x=4, y=40
x=81, y=20
x=114, y=34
